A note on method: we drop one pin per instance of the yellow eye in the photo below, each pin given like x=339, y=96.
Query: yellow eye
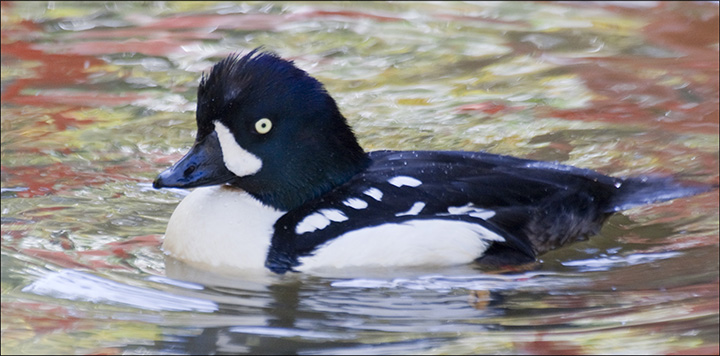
x=263, y=125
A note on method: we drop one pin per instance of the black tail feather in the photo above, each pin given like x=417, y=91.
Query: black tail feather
x=637, y=191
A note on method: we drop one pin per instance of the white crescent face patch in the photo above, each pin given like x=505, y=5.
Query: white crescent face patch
x=237, y=159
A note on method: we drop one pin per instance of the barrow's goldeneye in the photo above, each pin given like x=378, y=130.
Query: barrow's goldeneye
x=287, y=187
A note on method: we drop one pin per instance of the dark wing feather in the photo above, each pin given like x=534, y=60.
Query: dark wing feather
x=538, y=205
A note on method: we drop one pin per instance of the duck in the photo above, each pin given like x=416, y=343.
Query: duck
x=281, y=184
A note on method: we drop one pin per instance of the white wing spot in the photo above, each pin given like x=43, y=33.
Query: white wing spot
x=414, y=210
x=471, y=210
x=319, y=220
x=399, y=181
x=311, y=223
x=334, y=215
x=356, y=203
x=374, y=193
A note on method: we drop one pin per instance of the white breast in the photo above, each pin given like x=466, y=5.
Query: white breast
x=222, y=229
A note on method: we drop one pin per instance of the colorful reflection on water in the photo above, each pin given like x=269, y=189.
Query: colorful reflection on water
x=98, y=97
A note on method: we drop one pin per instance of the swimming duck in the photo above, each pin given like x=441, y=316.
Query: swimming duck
x=282, y=184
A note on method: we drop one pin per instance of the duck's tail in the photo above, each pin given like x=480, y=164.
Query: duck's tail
x=637, y=191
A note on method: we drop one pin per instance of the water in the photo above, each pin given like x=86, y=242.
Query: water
x=97, y=98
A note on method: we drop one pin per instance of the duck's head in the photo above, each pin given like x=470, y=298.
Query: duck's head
x=269, y=128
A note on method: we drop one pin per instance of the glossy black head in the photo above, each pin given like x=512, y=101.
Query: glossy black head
x=277, y=132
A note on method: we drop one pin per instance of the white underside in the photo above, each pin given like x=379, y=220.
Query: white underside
x=226, y=230
x=412, y=243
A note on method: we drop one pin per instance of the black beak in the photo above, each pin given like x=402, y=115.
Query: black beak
x=202, y=166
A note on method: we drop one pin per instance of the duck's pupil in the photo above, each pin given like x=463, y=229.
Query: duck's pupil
x=189, y=170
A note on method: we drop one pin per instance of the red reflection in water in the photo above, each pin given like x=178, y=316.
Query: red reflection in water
x=623, y=92
x=625, y=97
x=46, y=317
x=488, y=107
x=621, y=95
x=549, y=347
x=111, y=256
x=55, y=71
x=676, y=28
x=59, y=177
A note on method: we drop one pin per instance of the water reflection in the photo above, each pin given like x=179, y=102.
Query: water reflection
x=85, y=287
x=99, y=97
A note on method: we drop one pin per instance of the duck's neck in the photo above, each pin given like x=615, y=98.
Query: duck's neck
x=317, y=165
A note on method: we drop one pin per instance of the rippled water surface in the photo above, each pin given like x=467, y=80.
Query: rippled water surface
x=99, y=97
